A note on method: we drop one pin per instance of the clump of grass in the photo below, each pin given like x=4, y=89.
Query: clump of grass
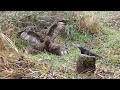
x=21, y=44
x=89, y=23
x=72, y=33
x=113, y=40
x=110, y=47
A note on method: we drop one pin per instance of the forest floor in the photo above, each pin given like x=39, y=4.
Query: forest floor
x=48, y=66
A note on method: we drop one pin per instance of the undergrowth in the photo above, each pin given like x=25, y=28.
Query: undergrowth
x=72, y=33
x=106, y=45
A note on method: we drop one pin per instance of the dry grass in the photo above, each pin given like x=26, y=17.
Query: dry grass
x=16, y=64
x=90, y=24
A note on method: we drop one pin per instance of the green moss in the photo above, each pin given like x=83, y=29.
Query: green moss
x=21, y=44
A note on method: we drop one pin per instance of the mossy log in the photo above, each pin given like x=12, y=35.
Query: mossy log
x=85, y=63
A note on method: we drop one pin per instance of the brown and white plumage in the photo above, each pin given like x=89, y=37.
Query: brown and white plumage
x=42, y=41
x=36, y=48
x=30, y=36
x=31, y=50
x=37, y=37
x=48, y=46
x=56, y=29
x=56, y=49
